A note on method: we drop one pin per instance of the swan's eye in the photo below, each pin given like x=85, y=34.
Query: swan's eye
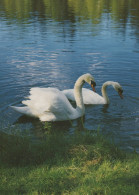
x=93, y=83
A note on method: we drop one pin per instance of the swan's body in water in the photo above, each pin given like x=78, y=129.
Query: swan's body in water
x=50, y=104
x=90, y=97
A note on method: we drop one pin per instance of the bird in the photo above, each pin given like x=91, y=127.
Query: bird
x=50, y=104
x=91, y=97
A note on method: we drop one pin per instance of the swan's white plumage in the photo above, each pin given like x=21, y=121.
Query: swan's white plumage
x=50, y=104
x=90, y=97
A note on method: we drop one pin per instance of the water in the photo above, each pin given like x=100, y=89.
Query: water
x=51, y=43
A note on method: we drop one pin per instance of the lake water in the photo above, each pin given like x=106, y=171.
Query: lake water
x=51, y=43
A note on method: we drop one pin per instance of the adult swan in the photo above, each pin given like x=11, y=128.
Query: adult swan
x=50, y=104
x=90, y=97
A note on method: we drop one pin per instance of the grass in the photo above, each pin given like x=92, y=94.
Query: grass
x=83, y=163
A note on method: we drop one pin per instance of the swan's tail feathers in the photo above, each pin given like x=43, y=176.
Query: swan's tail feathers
x=23, y=110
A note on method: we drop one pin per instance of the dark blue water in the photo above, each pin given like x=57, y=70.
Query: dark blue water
x=51, y=43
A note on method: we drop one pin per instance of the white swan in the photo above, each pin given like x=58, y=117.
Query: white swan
x=90, y=97
x=50, y=104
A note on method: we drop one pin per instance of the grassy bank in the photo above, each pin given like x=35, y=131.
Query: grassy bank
x=83, y=163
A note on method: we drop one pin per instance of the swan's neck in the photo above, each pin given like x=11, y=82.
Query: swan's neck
x=104, y=93
x=78, y=95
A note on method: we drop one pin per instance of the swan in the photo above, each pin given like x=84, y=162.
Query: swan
x=90, y=97
x=50, y=104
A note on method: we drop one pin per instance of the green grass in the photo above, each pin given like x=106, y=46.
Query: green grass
x=83, y=163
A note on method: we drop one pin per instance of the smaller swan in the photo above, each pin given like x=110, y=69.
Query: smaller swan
x=50, y=104
x=90, y=97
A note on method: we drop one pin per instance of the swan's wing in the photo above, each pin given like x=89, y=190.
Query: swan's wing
x=48, y=100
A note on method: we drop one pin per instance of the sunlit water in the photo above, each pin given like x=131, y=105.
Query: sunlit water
x=50, y=44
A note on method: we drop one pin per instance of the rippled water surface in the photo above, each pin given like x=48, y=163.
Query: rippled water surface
x=51, y=43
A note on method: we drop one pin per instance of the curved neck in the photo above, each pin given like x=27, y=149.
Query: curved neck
x=103, y=90
x=78, y=95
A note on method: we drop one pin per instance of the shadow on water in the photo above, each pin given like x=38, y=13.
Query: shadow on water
x=39, y=129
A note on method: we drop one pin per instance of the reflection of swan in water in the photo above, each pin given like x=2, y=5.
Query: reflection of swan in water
x=90, y=97
x=50, y=104
x=105, y=108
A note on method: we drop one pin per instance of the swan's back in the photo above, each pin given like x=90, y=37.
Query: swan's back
x=89, y=97
x=69, y=93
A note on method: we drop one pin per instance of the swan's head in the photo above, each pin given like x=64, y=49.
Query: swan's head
x=90, y=80
x=119, y=89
